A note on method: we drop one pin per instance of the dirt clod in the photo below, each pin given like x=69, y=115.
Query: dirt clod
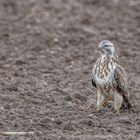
x=80, y=97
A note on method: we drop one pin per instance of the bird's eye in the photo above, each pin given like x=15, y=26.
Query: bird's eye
x=105, y=46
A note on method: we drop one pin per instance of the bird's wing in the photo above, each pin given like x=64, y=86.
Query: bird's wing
x=121, y=80
x=94, y=72
x=93, y=81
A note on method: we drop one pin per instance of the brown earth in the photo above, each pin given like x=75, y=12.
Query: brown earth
x=47, y=51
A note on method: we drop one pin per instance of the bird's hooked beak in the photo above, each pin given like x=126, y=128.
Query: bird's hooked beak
x=99, y=49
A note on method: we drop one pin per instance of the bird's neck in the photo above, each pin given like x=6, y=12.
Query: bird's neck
x=105, y=57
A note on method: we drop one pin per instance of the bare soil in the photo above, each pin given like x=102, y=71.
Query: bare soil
x=47, y=51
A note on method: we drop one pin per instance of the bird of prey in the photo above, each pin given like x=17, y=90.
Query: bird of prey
x=110, y=79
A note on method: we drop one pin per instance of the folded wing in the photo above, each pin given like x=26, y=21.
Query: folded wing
x=121, y=80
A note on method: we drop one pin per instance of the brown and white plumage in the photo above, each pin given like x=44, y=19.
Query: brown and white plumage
x=109, y=78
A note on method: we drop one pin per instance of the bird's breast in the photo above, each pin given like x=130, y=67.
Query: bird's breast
x=104, y=74
x=104, y=80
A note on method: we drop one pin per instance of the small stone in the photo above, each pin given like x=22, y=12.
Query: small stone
x=87, y=122
x=90, y=115
x=58, y=121
x=56, y=40
x=119, y=130
x=52, y=119
x=45, y=120
x=7, y=66
x=52, y=52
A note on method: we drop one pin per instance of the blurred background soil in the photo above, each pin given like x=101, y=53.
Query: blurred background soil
x=47, y=51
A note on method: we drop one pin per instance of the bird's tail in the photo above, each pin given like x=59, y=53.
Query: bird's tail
x=126, y=103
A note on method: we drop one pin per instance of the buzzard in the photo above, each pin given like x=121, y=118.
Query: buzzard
x=110, y=79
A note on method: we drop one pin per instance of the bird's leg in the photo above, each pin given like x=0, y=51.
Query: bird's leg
x=100, y=97
x=105, y=102
x=102, y=104
x=118, y=100
x=99, y=107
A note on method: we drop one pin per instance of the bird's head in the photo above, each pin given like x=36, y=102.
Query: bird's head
x=107, y=47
